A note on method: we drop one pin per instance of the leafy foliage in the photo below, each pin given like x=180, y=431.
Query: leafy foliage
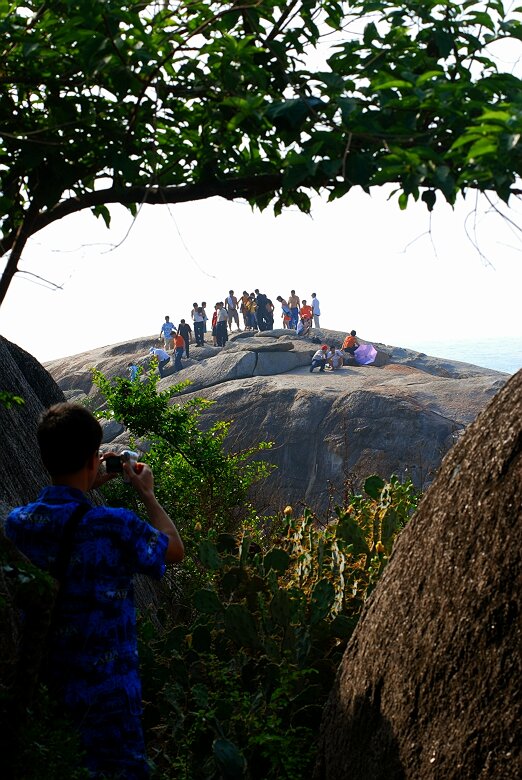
x=9, y=400
x=237, y=690
x=111, y=102
x=196, y=481
x=36, y=741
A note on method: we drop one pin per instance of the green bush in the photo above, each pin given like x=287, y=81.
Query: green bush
x=196, y=481
x=238, y=690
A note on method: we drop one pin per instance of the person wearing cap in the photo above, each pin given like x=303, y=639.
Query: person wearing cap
x=319, y=359
x=162, y=357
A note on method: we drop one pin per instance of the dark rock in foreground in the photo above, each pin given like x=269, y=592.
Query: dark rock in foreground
x=429, y=687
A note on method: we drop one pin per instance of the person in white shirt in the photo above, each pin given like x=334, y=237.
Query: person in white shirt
x=221, y=324
x=198, y=316
x=162, y=357
x=319, y=359
x=335, y=358
x=316, y=310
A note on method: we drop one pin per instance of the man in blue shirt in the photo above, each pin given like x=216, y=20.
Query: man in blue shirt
x=93, y=660
x=168, y=330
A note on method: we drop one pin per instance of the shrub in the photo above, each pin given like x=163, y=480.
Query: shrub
x=238, y=689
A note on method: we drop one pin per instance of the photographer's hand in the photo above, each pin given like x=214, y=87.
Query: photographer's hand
x=102, y=476
x=142, y=480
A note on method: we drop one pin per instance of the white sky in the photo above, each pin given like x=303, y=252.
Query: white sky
x=374, y=268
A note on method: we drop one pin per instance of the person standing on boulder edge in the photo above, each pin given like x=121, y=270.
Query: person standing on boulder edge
x=167, y=331
x=316, y=310
x=198, y=316
x=179, y=346
x=185, y=330
x=294, y=304
x=231, y=307
x=92, y=663
x=221, y=324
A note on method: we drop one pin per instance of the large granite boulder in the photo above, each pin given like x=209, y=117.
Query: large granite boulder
x=400, y=418
x=429, y=686
x=23, y=474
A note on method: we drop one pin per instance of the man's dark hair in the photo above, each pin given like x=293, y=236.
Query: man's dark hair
x=353, y=333
x=68, y=435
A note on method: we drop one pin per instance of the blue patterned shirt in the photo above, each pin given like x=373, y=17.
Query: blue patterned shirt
x=93, y=650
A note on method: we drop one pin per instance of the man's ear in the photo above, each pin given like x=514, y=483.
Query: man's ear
x=93, y=464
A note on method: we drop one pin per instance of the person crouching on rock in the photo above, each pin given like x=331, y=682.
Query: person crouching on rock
x=319, y=359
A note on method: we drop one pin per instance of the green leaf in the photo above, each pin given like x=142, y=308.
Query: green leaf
x=240, y=626
x=373, y=486
x=429, y=197
x=349, y=531
x=323, y=596
x=209, y=555
x=276, y=559
x=230, y=760
x=207, y=601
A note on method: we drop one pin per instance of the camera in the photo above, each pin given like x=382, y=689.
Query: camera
x=114, y=463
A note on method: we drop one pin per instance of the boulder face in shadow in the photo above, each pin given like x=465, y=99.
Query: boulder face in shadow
x=22, y=473
x=429, y=686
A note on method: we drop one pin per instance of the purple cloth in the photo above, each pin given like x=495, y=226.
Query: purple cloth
x=365, y=354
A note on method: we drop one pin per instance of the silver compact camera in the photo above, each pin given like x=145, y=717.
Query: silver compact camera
x=114, y=463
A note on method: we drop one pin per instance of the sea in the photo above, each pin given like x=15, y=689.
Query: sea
x=500, y=354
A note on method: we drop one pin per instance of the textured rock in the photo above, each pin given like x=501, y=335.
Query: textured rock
x=111, y=429
x=400, y=418
x=23, y=474
x=429, y=686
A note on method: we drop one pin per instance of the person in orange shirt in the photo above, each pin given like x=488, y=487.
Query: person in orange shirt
x=350, y=343
x=305, y=312
x=179, y=346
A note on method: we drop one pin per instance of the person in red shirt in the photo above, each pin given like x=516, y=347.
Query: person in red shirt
x=179, y=346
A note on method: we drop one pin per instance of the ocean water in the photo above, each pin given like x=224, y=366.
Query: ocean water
x=500, y=354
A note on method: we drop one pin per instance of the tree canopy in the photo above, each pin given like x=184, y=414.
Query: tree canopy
x=269, y=100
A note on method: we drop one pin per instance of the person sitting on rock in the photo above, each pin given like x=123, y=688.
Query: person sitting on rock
x=305, y=312
x=335, y=358
x=319, y=359
x=350, y=343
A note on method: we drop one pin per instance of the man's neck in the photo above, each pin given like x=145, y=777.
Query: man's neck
x=79, y=480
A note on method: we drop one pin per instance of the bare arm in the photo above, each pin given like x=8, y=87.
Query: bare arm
x=143, y=482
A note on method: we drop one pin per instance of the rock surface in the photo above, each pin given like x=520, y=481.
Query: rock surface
x=23, y=475
x=399, y=418
x=429, y=686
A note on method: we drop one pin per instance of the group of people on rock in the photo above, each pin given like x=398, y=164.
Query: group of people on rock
x=333, y=356
x=257, y=311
